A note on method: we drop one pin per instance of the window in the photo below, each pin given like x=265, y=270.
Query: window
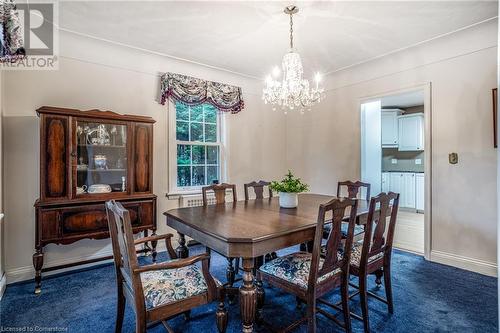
x=197, y=148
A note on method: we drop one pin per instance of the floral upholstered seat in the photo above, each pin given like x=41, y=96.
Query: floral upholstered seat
x=294, y=268
x=356, y=254
x=169, y=285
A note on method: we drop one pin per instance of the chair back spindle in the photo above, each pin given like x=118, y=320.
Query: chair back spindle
x=124, y=252
x=353, y=189
x=219, y=192
x=258, y=188
x=337, y=209
x=379, y=233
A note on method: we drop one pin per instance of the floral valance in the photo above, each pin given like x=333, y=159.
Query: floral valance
x=194, y=91
x=12, y=46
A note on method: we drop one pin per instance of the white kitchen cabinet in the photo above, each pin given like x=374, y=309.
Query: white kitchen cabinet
x=396, y=182
x=389, y=126
x=408, y=190
x=419, y=191
x=386, y=182
x=411, y=132
x=404, y=184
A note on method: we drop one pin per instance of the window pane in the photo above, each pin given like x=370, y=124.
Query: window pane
x=182, y=131
x=183, y=154
x=198, y=154
x=210, y=114
x=198, y=176
x=210, y=133
x=183, y=176
x=197, y=113
x=182, y=111
x=212, y=174
x=196, y=132
x=212, y=155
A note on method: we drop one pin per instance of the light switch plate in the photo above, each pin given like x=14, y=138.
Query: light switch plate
x=394, y=161
x=418, y=161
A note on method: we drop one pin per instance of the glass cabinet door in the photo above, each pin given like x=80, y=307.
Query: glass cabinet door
x=101, y=161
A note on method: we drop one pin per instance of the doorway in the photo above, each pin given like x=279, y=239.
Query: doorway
x=395, y=156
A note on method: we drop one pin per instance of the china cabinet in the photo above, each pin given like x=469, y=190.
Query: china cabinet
x=87, y=158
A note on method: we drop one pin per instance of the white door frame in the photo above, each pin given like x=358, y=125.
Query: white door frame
x=427, y=88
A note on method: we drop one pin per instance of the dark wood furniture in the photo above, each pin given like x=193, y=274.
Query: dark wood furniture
x=220, y=191
x=309, y=276
x=373, y=255
x=258, y=189
x=230, y=229
x=147, y=287
x=353, y=189
x=83, y=148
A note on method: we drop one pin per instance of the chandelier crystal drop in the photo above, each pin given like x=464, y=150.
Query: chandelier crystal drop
x=293, y=92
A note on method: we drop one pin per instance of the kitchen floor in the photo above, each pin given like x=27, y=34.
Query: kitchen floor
x=409, y=234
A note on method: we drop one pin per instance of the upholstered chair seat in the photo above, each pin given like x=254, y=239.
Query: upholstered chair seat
x=294, y=268
x=356, y=255
x=170, y=285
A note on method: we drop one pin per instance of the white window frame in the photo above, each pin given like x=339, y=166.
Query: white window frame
x=173, y=189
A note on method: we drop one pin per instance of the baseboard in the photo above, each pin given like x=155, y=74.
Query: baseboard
x=3, y=285
x=27, y=273
x=470, y=264
x=408, y=247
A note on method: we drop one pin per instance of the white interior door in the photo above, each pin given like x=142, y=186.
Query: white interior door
x=371, y=145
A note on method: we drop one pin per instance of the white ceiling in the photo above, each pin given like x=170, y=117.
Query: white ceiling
x=404, y=100
x=251, y=37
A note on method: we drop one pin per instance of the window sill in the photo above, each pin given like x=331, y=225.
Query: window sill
x=177, y=195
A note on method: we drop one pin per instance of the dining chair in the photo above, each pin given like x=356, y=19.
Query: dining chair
x=258, y=189
x=310, y=276
x=219, y=191
x=353, y=189
x=158, y=291
x=373, y=254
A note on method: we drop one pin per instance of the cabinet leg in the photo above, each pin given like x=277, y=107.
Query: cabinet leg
x=182, y=250
x=38, y=263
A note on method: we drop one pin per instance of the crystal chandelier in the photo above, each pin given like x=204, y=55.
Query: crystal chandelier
x=293, y=91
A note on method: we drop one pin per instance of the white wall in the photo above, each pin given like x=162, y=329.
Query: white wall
x=96, y=74
x=323, y=146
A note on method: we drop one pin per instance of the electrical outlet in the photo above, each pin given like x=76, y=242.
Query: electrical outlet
x=394, y=161
x=418, y=161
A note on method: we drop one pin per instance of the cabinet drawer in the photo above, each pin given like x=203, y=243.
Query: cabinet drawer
x=90, y=220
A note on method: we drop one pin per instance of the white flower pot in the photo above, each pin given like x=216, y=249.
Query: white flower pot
x=288, y=200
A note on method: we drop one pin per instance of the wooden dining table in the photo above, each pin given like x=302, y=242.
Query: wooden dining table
x=249, y=230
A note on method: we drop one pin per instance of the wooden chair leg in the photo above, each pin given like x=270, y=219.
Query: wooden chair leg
x=140, y=323
x=344, y=290
x=364, y=302
x=221, y=317
x=230, y=273
x=237, y=266
x=209, y=252
x=120, y=311
x=388, y=287
x=378, y=277
x=311, y=315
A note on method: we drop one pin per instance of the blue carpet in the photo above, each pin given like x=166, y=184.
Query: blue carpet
x=428, y=297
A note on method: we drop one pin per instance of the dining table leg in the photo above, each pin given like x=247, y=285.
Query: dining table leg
x=248, y=296
x=182, y=250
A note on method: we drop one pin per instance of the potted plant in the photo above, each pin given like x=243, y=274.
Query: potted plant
x=288, y=190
